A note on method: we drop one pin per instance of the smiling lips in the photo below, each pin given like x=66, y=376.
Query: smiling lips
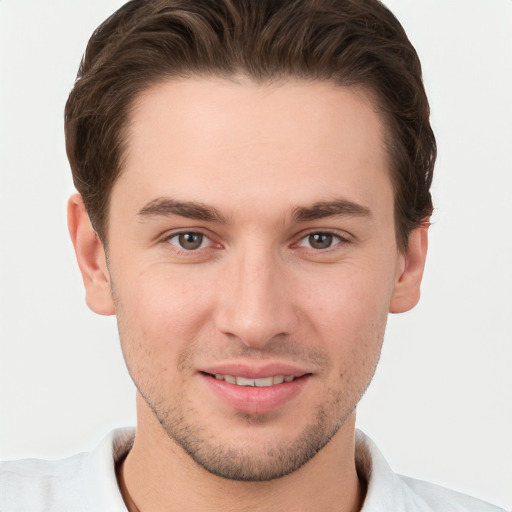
x=259, y=383
x=255, y=391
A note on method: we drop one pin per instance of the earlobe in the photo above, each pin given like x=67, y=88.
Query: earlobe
x=91, y=258
x=406, y=293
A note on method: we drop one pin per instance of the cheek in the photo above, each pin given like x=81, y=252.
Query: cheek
x=350, y=316
x=354, y=343
x=350, y=298
x=159, y=318
x=164, y=303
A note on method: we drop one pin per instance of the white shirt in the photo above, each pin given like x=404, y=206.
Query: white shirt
x=87, y=483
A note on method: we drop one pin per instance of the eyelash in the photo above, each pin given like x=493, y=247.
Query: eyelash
x=182, y=250
x=337, y=240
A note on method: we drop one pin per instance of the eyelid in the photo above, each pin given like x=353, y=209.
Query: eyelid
x=343, y=238
x=205, y=241
x=200, y=231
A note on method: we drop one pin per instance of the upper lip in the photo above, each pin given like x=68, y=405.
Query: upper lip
x=254, y=370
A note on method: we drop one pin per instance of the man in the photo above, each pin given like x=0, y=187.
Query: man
x=253, y=200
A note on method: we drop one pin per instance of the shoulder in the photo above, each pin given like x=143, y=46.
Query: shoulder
x=83, y=482
x=427, y=497
x=388, y=491
x=33, y=484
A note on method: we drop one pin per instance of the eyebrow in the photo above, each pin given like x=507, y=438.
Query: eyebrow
x=336, y=208
x=165, y=207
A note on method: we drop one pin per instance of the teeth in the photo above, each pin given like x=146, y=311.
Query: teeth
x=264, y=383
x=242, y=381
x=260, y=383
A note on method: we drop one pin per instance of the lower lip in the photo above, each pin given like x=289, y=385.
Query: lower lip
x=255, y=400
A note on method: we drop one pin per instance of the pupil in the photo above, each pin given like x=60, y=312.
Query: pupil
x=320, y=240
x=191, y=241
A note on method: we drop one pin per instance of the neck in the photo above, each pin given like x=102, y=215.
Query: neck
x=158, y=475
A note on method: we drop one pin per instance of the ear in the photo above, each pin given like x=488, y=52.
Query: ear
x=91, y=258
x=406, y=293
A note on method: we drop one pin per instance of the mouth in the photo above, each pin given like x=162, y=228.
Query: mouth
x=256, y=394
x=263, y=382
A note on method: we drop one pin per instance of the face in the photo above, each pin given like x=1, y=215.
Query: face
x=253, y=261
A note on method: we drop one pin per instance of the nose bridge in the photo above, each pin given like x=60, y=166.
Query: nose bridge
x=256, y=305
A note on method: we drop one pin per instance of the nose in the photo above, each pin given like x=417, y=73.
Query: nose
x=256, y=302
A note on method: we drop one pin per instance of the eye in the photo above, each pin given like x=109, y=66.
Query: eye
x=189, y=241
x=319, y=241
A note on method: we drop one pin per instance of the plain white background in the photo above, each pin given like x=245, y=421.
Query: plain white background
x=440, y=406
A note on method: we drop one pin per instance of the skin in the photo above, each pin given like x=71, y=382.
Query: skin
x=274, y=165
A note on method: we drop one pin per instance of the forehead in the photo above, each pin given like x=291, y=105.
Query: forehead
x=295, y=142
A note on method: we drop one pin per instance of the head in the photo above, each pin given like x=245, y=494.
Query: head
x=258, y=174
x=346, y=42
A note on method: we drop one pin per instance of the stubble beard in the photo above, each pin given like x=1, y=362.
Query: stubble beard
x=239, y=463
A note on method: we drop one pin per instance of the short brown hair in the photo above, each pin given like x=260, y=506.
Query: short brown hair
x=349, y=42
